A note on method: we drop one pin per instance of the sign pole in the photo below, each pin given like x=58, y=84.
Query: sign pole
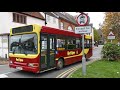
x=111, y=40
x=83, y=57
x=84, y=28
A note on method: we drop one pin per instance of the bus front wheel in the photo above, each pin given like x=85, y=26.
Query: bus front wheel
x=60, y=64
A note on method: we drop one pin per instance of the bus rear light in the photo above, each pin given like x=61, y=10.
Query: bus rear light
x=33, y=64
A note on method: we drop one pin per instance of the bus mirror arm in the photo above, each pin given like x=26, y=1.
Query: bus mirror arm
x=25, y=53
x=13, y=51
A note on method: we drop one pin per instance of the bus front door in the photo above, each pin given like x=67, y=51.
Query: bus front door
x=47, y=59
x=51, y=51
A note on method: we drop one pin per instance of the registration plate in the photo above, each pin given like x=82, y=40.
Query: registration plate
x=19, y=68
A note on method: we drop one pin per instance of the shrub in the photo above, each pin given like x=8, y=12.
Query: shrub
x=111, y=51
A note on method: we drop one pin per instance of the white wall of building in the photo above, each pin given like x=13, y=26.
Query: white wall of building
x=51, y=23
x=6, y=22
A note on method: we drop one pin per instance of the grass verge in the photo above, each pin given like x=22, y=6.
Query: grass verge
x=99, y=69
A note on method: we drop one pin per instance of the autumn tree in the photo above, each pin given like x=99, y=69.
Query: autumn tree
x=96, y=35
x=111, y=23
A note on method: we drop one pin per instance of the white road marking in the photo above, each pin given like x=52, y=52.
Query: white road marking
x=3, y=65
x=3, y=76
x=68, y=71
x=7, y=73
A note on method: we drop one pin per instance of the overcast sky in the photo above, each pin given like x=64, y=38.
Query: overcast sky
x=95, y=17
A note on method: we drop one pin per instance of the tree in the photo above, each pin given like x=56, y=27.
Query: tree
x=111, y=23
x=96, y=35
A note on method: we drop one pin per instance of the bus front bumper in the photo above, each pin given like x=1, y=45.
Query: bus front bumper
x=25, y=68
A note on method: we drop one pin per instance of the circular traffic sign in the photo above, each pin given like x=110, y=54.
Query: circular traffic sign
x=82, y=19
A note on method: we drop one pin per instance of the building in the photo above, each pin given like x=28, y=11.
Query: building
x=9, y=20
x=101, y=41
x=52, y=20
x=66, y=21
x=13, y=19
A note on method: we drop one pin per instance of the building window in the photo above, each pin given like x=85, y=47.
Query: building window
x=48, y=18
x=70, y=28
x=19, y=18
x=61, y=25
x=54, y=20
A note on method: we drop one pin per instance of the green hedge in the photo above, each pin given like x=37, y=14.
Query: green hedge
x=111, y=51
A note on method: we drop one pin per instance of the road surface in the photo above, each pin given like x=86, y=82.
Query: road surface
x=6, y=72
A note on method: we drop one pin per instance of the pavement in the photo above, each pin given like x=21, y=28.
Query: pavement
x=3, y=61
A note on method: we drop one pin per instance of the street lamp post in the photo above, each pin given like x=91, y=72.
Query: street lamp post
x=45, y=19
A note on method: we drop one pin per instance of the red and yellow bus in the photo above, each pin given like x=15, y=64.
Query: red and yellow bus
x=37, y=48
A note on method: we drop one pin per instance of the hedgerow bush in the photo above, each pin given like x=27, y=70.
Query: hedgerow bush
x=111, y=51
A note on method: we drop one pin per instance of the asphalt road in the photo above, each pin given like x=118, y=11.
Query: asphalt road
x=6, y=72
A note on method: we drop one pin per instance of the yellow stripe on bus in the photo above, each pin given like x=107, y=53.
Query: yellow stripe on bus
x=23, y=55
x=85, y=51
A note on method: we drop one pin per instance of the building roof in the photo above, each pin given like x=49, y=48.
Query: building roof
x=66, y=16
x=34, y=14
x=71, y=18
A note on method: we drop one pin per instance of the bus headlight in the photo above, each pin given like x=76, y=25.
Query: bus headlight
x=33, y=64
x=10, y=62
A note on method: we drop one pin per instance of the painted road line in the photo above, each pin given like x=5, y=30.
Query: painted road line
x=63, y=73
x=3, y=76
x=67, y=71
x=66, y=74
x=3, y=65
x=86, y=64
x=7, y=72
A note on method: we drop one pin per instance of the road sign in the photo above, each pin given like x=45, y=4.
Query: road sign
x=83, y=29
x=83, y=19
x=111, y=35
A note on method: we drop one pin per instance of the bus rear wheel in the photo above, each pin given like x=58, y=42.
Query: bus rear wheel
x=60, y=64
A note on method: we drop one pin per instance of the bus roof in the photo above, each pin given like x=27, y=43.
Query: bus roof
x=51, y=30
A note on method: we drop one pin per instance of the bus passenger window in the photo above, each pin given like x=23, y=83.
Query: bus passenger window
x=71, y=44
x=88, y=43
x=60, y=44
x=77, y=43
x=44, y=43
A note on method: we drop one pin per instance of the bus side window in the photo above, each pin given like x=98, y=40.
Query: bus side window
x=85, y=43
x=60, y=44
x=88, y=43
x=77, y=43
x=71, y=43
